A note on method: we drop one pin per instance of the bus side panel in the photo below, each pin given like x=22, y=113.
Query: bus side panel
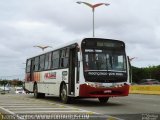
x=42, y=87
x=50, y=81
x=80, y=76
x=76, y=84
x=29, y=86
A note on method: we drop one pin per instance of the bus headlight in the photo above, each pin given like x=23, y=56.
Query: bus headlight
x=87, y=83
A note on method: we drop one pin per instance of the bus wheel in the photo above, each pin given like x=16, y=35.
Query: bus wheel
x=103, y=99
x=36, y=94
x=63, y=94
x=35, y=91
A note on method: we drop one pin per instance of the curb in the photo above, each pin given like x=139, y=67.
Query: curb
x=145, y=89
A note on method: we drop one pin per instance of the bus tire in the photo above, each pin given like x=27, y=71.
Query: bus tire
x=63, y=94
x=103, y=99
x=42, y=95
x=36, y=93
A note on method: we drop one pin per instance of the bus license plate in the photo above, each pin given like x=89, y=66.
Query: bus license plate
x=107, y=91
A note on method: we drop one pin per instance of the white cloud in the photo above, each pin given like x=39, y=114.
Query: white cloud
x=26, y=23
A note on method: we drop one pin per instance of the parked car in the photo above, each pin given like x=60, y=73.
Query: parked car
x=7, y=89
x=19, y=90
x=148, y=82
x=133, y=83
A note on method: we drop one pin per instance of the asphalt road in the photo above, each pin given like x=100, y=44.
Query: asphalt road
x=133, y=107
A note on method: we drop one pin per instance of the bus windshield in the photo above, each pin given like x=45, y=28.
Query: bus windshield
x=102, y=59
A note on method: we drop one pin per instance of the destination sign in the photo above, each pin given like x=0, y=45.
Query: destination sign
x=105, y=73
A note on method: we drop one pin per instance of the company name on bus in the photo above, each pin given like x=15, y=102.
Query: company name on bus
x=105, y=73
x=50, y=75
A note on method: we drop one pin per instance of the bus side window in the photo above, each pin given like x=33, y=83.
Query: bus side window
x=36, y=68
x=28, y=68
x=42, y=62
x=55, y=59
x=33, y=65
x=46, y=61
x=62, y=56
x=66, y=59
x=50, y=60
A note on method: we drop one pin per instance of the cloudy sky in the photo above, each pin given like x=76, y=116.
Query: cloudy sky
x=25, y=23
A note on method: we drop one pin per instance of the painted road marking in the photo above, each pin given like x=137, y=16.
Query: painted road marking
x=20, y=105
x=12, y=113
x=48, y=112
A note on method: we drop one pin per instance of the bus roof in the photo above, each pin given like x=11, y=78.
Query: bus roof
x=59, y=46
x=70, y=43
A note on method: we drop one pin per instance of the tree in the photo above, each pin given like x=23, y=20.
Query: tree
x=16, y=83
x=152, y=72
x=4, y=82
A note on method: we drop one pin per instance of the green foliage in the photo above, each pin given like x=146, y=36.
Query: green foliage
x=11, y=82
x=152, y=72
x=3, y=82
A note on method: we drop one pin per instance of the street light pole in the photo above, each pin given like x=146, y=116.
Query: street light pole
x=93, y=20
x=93, y=9
x=42, y=47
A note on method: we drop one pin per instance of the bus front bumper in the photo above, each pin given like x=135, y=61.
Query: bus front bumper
x=90, y=91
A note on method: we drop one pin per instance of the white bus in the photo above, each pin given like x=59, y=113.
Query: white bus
x=88, y=68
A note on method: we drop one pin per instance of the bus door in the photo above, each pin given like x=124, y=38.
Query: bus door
x=72, y=65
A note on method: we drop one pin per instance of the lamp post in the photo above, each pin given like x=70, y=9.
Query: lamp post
x=93, y=8
x=132, y=58
x=42, y=47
